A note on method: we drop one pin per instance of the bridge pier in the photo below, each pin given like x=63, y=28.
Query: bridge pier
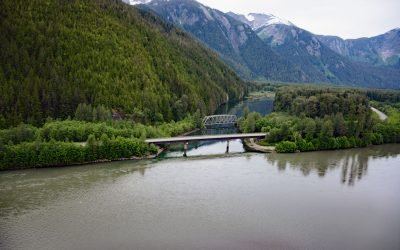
x=227, y=147
x=185, y=148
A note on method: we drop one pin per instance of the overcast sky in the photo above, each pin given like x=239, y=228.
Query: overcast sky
x=344, y=18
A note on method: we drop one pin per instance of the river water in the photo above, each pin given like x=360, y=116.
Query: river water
x=262, y=105
x=347, y=199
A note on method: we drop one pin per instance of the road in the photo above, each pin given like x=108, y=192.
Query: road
x=381, y=115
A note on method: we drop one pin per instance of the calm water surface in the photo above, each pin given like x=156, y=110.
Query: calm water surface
x=346, y=199
x=263, y=105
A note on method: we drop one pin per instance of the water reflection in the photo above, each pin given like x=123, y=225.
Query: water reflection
x=353, y=162
x=178, y=148
x=34, y=188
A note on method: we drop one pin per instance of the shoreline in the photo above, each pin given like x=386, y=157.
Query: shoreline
x=133, y=158
x=251, y=146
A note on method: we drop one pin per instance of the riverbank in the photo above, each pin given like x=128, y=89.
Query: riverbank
x=252, y=146
x=57, y=144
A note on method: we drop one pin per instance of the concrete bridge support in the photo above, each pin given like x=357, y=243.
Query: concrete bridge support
x=185, y=148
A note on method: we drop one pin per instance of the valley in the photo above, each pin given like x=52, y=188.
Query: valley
x=91, y=91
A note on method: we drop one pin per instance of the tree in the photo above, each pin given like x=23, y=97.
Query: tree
x=84, y=112
x=310, y=128
x=340, y=128
x=327, y=129
x=103, y=113
x=1, y=145
x=286, y=147
x=197, y=119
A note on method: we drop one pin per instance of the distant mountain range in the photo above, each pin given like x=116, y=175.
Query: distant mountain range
x=379, y=50
x=263, y=46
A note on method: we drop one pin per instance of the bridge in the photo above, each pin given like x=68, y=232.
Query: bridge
x=220, y=121
x=186, y=139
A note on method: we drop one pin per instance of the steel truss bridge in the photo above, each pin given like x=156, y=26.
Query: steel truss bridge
x=220, y=121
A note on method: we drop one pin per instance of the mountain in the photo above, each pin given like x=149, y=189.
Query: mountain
x=316, y=59
x=268, y=47
x=236, y=43
x=257, y=20
x=379, y=50
x=57, y=54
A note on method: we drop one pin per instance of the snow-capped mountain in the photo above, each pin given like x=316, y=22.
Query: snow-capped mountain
x=236, y=42
x=268, y=47
x=267, y=26
x=259, y=20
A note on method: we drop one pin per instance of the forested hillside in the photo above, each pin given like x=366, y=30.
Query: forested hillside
x=57, y=54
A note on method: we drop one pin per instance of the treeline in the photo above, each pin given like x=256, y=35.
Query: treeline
x=71, y=142
x=383, y=95
x=322, y=126
x=55, y=55
x=318, y=101
x=58, y=153
x=79, y=131
x=262, y=86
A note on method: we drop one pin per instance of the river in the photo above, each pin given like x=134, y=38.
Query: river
x=262, y=105
x=346, y=199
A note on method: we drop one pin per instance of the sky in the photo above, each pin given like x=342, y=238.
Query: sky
x=344, y=18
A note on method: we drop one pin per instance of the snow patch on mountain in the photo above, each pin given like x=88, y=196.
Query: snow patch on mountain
x=135, y=2
x=277, y=20
x=259, y=20
x=250, y=18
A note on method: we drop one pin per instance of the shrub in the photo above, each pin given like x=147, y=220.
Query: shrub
x=286, y=147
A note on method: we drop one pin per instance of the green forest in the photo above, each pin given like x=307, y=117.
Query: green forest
x=68, y=142
x=316, y=118
x=55, y=55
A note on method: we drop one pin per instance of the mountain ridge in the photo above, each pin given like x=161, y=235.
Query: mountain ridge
x=382, y=49
x=292, y=54
x=234, y=41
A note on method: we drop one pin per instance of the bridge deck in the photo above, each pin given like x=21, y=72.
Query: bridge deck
x=204, y=138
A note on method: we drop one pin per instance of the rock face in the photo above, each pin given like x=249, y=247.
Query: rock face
x=379, y=50
x=235, y=41
x=263, y=46
x=330, y=59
